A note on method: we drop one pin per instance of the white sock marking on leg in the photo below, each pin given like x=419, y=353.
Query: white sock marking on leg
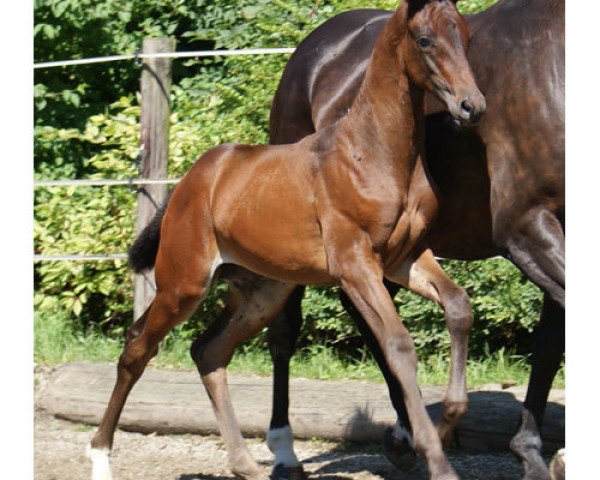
x=100, y=463
x=281, y=442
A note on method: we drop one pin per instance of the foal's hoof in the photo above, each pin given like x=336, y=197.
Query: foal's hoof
x=399, y=452
x=281, y=472
x=557, y=465
x=250, y=474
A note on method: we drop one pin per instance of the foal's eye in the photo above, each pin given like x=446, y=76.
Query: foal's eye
x=424, y=42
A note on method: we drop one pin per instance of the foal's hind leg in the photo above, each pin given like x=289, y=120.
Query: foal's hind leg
x=253, y=302
x=181, y=286
x=99, y=448
x=425, y=277
x=167, y=309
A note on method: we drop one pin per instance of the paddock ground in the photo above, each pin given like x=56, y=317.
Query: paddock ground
x=60, y=454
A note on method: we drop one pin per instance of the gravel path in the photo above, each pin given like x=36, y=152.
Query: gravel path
x=60, y=455
x=60, y=445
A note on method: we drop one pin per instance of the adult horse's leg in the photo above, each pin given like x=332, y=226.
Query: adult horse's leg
x=397, y=440
x=282, y=336
x=253, y=302
x=536, y=244
x=548, y=349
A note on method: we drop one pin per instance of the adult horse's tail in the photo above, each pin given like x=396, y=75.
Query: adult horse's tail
x=142, y=254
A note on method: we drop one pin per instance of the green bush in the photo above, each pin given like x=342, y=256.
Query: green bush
x=87, y=126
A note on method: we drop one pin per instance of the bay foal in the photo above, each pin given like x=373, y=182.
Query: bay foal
x=344, y=206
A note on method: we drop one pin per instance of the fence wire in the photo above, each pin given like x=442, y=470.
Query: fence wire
x=138, y=181
x=105, y=182
x=142, y=56
x=80, y=257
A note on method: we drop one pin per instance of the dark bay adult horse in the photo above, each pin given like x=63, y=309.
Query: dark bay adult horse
x=347, y=205
x=501, y=186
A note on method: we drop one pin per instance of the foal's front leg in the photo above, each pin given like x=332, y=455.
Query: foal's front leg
x=397, y=440
x=362, y=280
x=425, y=277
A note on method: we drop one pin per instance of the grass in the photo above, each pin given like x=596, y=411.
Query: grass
x=55, y=344
x=319, y=362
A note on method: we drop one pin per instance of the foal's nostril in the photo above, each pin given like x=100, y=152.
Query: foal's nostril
x=467, y=107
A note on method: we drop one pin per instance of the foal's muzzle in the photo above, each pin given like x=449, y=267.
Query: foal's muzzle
x=469, y=109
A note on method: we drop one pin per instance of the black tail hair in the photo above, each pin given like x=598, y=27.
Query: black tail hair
x=142, y=254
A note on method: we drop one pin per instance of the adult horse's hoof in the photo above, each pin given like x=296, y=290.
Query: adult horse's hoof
x=281, y=472
x=557, y=465
x=399, y=452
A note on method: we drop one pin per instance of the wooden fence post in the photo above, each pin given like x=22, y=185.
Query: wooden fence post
x=154, y=145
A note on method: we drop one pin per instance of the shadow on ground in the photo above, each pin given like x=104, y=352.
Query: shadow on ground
x=480, y=450
x=491, y=421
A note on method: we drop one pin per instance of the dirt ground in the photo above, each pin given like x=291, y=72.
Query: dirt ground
x=60, y=455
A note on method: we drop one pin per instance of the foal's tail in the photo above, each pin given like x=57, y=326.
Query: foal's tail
x=142, y=254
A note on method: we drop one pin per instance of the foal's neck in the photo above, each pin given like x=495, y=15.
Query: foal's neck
x=386, y=121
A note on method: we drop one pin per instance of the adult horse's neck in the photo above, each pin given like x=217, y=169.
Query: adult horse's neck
x=386, y=120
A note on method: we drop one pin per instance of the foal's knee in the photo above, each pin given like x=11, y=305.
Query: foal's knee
x=400, y=350
x=458, y=311
x=454, y=410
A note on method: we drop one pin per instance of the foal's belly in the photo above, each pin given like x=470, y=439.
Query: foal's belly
x=265, y=220
x=288, y=268
x=275, y=248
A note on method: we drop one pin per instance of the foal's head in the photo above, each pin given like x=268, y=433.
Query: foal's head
x=434, y=49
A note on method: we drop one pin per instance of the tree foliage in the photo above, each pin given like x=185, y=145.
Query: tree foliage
x=87, y=126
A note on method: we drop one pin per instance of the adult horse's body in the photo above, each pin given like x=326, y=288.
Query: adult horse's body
x=346, y=205
x=501, y=186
